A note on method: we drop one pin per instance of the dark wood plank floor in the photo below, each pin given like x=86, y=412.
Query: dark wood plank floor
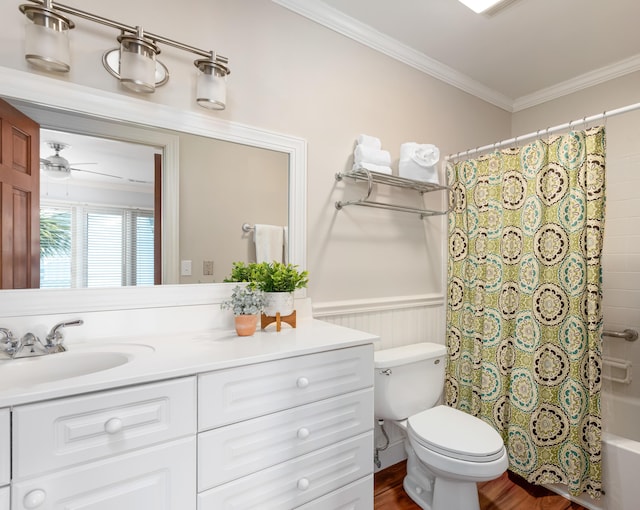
x=509, y=492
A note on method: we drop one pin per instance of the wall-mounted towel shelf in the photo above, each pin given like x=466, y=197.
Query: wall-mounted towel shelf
x=362, y=174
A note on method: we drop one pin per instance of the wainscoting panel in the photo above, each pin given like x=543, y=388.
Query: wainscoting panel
x=397, y=321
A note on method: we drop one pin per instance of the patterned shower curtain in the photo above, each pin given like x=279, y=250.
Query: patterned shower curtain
x=524, y=303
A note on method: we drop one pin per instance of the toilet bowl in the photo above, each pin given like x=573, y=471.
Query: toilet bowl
x=448, y=450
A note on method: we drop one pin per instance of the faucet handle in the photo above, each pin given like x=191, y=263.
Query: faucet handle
x=8, y=344
x=55, y=338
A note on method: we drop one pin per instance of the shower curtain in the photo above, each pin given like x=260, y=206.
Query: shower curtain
x=524, y=303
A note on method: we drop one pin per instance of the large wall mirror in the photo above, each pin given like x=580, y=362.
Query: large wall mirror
x=272, y=164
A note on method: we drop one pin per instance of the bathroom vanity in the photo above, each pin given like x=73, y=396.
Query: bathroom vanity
x=199, y=421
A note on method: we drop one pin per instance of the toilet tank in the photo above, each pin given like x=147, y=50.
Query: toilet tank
x=408, y=379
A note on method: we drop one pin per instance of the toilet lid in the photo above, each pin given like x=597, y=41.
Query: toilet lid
x=456, y=434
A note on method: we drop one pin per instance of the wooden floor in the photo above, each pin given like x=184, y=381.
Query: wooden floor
x=509, y=492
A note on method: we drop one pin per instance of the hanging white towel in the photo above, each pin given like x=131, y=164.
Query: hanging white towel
x=269, y=241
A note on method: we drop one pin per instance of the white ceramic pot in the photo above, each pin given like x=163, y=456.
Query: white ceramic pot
x=278, y=302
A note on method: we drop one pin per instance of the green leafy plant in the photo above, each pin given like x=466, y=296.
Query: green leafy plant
x=244, y=300
x=269, y=276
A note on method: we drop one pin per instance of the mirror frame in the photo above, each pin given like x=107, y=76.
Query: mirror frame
x=59, y=96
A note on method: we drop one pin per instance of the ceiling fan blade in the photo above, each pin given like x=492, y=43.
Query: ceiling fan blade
x=87, y=163
x=97, y=173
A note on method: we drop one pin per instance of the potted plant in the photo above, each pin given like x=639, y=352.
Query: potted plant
x=277, y=280
x=246, y=302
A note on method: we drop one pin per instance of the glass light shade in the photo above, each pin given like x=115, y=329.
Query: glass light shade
x=211, y=86
x=47, y=39
x=138, y=64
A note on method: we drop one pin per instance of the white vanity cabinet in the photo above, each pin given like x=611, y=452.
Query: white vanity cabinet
x=295, y=432
x=5, y=458
x=122, y=449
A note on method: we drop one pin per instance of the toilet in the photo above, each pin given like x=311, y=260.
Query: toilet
x=448, y=450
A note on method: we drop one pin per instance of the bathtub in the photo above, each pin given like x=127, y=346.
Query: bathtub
x=620, y=457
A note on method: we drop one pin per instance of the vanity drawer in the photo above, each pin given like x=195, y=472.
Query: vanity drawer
x=355, y=496
x=60, y=433
x=235, y=394
x=5, y=447
x=297, y=481
x=160, y=477
x=230, y=452
x=5, y=502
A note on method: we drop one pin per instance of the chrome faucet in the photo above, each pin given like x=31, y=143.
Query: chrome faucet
x=55, y=339
x=9, y=345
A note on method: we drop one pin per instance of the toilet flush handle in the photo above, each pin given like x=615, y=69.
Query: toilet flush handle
x=386, y=371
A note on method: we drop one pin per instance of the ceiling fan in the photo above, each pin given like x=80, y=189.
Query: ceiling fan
x=58, y=167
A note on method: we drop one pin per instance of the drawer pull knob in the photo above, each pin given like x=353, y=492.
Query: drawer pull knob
x=113, y=426
x=302, y=382
x=34, y=498
x=303, y=433
x=303, y=484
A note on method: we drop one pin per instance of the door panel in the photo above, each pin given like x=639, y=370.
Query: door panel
x=19, y=200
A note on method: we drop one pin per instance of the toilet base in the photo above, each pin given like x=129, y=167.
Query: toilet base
x=431, y=492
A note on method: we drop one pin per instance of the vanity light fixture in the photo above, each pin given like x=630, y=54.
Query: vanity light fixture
x=134, y=63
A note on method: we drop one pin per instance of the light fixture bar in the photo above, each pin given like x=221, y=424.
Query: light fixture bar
x=124, y=28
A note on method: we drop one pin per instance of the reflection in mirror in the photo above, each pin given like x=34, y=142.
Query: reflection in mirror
x=70, y=107
x=221, y=185
x=96, y=211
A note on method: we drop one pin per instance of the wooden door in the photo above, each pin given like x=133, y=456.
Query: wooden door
x=19, y=200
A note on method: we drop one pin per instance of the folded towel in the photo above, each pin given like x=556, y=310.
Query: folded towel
x=423, y=154
x=409, y=169
x=269, y=241
x=369, y=141
x=381, y=169
x=364, y=154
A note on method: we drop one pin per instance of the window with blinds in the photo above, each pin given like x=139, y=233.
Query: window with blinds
x=87, y=246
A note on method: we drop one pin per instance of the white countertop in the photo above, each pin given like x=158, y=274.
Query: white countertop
x=187, y=354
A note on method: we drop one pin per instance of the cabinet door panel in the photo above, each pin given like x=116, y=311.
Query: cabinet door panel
x=61, y=433
x=240, y=393
x=355, y=496
x=5, y=447
x=227, y=453
x=4, y=498
x=159, y=478
x=296, y=482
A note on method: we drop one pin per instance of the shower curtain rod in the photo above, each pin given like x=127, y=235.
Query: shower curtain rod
x=547, y=131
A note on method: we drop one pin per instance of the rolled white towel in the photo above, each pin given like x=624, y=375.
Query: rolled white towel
x=369, y=141
x=364, y=154
x=408, y=149
x=381, y=169
x=425, y=154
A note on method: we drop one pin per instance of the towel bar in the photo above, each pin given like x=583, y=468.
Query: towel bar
x=630, y=335
x=362, y=174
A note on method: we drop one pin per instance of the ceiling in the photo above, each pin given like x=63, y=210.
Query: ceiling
x=529, y=52
x=103, y=162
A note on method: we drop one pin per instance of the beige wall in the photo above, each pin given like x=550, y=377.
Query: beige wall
x=293, y=76
x=222, y=186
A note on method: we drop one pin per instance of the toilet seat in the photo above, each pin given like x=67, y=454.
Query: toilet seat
x=456, y=434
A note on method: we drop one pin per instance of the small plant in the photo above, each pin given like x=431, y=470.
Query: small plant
x=279, y=277
x=269, y=276
x=244, y=300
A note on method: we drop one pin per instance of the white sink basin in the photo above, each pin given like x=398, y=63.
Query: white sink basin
x=77, y=361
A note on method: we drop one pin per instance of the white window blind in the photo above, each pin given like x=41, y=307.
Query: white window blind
x=109, y=247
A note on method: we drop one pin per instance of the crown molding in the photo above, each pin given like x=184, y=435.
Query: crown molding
x=339, y=22
x=621, y=68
